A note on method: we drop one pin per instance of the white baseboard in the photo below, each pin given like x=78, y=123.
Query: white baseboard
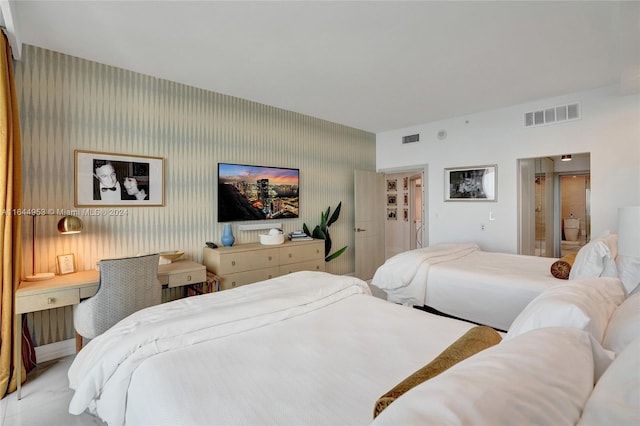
x=55, y=350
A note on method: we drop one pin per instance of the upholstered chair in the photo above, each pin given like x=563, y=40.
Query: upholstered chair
x=126, y=286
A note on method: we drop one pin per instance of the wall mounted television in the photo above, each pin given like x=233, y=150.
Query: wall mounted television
x=257, y=192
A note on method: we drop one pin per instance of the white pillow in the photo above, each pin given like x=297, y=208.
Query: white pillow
x=616, y=397
x=629, y=272
x=543, y=377
x=585, y=304
x=624, y=325
x=591, y=260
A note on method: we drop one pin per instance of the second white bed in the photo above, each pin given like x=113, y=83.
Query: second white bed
x=463, y=281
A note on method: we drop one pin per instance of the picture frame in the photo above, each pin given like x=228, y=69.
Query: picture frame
x=476, y=183
x=110, y=179
x=392, y=214
x=392, y=199
x=405, y=215
x=66, y=264
x=392, y=184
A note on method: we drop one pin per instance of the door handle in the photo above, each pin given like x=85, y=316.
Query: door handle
x=360, y=230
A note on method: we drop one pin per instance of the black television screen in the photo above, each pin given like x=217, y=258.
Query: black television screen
x=257, y=192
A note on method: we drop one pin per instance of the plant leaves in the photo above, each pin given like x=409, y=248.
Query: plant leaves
x=336, y=254
x=335, y=214
x=317, y=233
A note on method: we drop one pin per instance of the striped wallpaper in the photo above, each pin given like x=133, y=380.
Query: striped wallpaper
x=69, y=103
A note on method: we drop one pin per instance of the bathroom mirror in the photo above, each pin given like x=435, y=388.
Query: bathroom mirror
x=554, y=204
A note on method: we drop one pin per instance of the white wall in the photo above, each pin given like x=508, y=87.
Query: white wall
x=609, y=129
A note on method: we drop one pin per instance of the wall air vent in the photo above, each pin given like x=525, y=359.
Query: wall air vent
x=411, y=138
x=551, y=115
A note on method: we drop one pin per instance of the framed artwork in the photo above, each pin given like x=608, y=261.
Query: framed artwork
x=107, y=179
x=392, y=199
x=392, y=184
x=406, y=199
x=66, y=264
x=477, y=183
x=405, y=183
x=392, y=214
x=405, y=215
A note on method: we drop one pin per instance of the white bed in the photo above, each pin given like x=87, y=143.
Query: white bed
x=308, y=348
x=461, y=280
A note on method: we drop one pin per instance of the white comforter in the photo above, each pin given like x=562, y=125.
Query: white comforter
x=466, y=282
x=308, y=348
x=402, y=269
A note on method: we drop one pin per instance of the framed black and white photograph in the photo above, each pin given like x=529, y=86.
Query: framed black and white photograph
x=392, y=214
x=392, y=184
x=477, y=183
x=108, y=179
x=392, y=200
x=66, y=264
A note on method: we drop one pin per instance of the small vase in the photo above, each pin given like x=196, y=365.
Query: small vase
x=227, y=235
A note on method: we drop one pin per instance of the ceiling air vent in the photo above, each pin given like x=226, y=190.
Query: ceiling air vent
x=552, y=115
x=411, y=138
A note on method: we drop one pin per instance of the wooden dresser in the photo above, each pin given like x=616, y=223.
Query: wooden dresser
x=248, y=263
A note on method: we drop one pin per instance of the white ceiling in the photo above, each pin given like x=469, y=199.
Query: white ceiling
x=374, y=66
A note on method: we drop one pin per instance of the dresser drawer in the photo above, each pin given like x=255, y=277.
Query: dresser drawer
x=301, y=253
x=231, y=263
x=241, y=278
x=49, y=300
x=186, y=278
x=311, y=265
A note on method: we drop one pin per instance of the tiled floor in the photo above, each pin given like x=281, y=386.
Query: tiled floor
x=45, y=399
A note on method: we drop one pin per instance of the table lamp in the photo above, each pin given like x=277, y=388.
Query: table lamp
x=66, y=225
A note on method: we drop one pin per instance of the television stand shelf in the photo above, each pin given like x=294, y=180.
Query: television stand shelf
x=249, y=263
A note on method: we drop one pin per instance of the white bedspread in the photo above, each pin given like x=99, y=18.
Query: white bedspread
x=401, y=269
x=307, y=348
x=488, y=288
x=462, y=280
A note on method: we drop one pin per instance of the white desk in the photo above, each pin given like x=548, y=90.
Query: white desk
x=65, y=290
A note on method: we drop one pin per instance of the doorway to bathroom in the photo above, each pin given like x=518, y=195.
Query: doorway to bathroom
x=554, y=212
x=575, y=194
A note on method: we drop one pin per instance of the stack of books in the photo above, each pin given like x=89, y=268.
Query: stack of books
x=299, y=236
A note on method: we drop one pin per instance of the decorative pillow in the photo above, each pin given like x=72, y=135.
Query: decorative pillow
x=629, y=272
x=585, y=304
x=614, y=400
x=543, y=377
x=561, y=267
x=624, y=325
x=470, y=343
x=591, y=259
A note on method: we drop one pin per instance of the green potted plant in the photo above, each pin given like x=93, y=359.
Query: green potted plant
x=322, y=231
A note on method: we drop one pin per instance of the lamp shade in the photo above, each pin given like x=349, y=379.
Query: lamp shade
x=69, y=225
x=629, y=231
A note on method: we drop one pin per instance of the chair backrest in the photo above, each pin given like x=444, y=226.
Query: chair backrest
x=126, y=286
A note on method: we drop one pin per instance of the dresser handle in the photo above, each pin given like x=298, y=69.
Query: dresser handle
x=269, y=257
x=233, y=263
x=233, y=284
x=51, y=300
x=188, y=277
x=290, y=255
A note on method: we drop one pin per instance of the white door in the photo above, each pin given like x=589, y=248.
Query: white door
x=369, y=229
